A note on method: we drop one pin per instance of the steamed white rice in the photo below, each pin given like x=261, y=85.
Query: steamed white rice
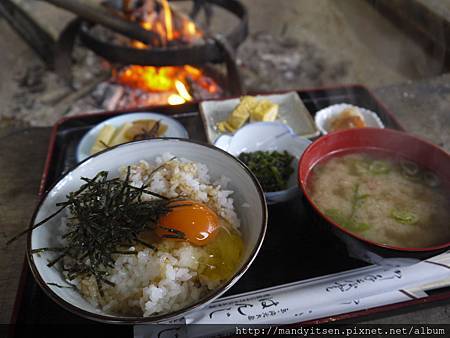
x=167, y=279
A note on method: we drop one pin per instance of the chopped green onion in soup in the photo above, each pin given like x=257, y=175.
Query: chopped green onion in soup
x=379, y=167
x=383, y=198
x=404, y=216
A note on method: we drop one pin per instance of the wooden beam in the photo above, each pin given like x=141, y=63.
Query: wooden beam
x=424, y=25
x=36, y=36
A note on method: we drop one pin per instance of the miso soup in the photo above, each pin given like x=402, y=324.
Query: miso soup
x=383, y=198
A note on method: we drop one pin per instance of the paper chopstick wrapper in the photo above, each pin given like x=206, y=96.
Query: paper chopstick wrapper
x=318, y=297
x=397, y=280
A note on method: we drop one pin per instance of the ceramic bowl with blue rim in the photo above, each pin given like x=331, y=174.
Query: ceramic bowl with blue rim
x=268, y=136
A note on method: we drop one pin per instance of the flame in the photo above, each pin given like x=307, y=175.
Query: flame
x=175, y=99
x=193, y=71
x=168, y=20
x=147, y=25
x=191, y=29
x=181, y=88
x=173, y=82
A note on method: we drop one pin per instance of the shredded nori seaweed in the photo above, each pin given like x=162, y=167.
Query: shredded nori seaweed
x=106, y=217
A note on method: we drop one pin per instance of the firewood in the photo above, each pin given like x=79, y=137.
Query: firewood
x=96, y=14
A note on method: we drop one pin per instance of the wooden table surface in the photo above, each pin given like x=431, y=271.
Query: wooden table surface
x=421, y=107
x=21, y=165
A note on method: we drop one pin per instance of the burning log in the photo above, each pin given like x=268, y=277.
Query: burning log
x=164, y=75
x=97, y=14
x=174, y=29
x=172, y=26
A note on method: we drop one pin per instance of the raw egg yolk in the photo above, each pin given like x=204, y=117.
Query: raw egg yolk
x=195, y=220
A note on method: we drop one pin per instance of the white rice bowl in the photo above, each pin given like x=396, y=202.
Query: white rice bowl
x=154, y=282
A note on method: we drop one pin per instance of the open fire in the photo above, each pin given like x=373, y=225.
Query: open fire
x=170, y=84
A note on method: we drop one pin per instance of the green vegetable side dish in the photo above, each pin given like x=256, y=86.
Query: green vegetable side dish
x=272, y=168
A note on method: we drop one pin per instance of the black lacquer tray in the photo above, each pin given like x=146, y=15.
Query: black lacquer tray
x=294, y=249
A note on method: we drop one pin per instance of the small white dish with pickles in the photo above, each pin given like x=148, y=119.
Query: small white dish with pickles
x=126, y=128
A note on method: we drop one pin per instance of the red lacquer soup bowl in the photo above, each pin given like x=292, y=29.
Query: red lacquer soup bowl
x=393, y=142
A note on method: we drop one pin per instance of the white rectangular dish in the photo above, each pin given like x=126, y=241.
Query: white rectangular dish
x=291, y=111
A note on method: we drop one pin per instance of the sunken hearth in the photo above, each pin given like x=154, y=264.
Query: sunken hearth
x=125, y=54
x=117, y=56
x=178, y=62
